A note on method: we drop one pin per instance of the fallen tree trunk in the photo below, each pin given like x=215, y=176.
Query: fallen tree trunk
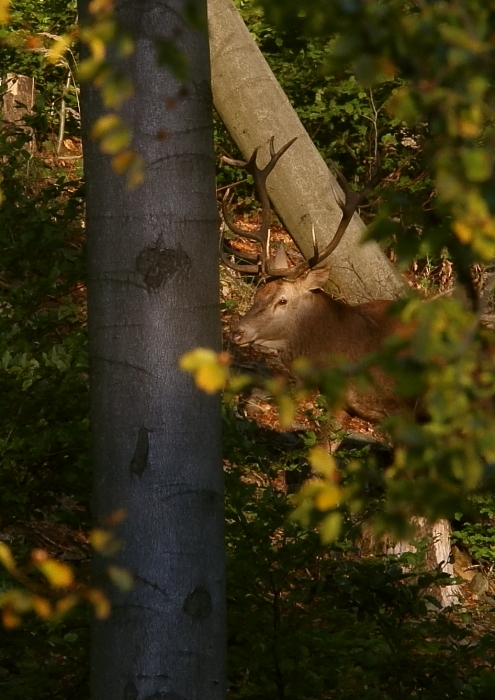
x=253, y=107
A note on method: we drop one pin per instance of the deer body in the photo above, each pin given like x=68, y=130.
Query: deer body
x=296, y=317
x=299, y=319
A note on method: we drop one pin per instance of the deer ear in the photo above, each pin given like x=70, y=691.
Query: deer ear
x=315, y=279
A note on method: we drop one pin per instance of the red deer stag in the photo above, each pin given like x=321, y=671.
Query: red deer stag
x=292, y=313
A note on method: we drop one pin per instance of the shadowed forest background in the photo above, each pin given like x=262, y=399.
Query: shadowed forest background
x=305, y=619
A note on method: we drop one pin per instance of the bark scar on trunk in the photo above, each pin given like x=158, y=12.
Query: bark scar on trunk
x=130, y=691
x=158, y=264
x=140, y=459
x=198, y=604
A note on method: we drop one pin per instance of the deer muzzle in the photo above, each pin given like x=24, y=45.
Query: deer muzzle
x=242, y=333
x=237, y=337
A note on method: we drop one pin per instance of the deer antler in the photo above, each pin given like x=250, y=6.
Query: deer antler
x=262, y=235
x=264, y=265
x=349, y=206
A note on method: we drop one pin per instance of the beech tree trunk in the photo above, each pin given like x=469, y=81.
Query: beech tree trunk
x=253, y=107
x=153, y=295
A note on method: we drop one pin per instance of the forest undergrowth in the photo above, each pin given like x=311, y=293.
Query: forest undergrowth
x=305, y=621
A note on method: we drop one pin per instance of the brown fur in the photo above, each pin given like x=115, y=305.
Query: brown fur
x=313, y=325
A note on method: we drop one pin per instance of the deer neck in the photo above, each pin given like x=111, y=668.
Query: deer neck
x=329, y=327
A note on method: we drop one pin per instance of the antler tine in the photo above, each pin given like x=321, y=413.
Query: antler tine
x=262, y=235
x=354, y=199
x=274, y=158
x=351, y=199
x=259, y=176
x=253, y=269
x=251, y=235
x=316, y=252
x=233, y=162
x=294, y=272
x=249, y=269
x=349, y=208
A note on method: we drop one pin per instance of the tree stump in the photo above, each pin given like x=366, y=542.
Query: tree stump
x=17, y=100
x=437, y=554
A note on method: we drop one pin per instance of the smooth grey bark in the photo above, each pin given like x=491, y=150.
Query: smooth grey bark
x=153, y=295
x=253, y=107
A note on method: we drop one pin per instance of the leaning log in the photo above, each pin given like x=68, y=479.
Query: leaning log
x=253, y=107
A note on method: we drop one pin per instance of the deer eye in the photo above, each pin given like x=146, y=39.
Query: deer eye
x=282, y=301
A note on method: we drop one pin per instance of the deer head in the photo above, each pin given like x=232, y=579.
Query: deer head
x=291, y=312
x=278, y=307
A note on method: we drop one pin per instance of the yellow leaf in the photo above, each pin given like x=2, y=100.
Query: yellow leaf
x=115, y=91
x=209, y=368
x=135, y=172
x=88, y=68
x=4, y=11
x=469, y=129
x=302, y=366
x=356, y=505
x=58, y=574
x=120, y=577
x=58, y=48
x=65, y=604
x=100, y=539
x=122, y=161
x=105, y=124
x=211, y=378
x=330, y=527
x=124, y=45
x=18, y=600
x=286, y=410
x=96, y=6
x=42, y=607
x=194, y=359
x=322, y=462
x=13, y=602
x=239, y=382
x=97, y=47
x=100, y=603
x=115, y=141
x=105, y=542
x=9, y=619
x=328, y=497
x=6, y=558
